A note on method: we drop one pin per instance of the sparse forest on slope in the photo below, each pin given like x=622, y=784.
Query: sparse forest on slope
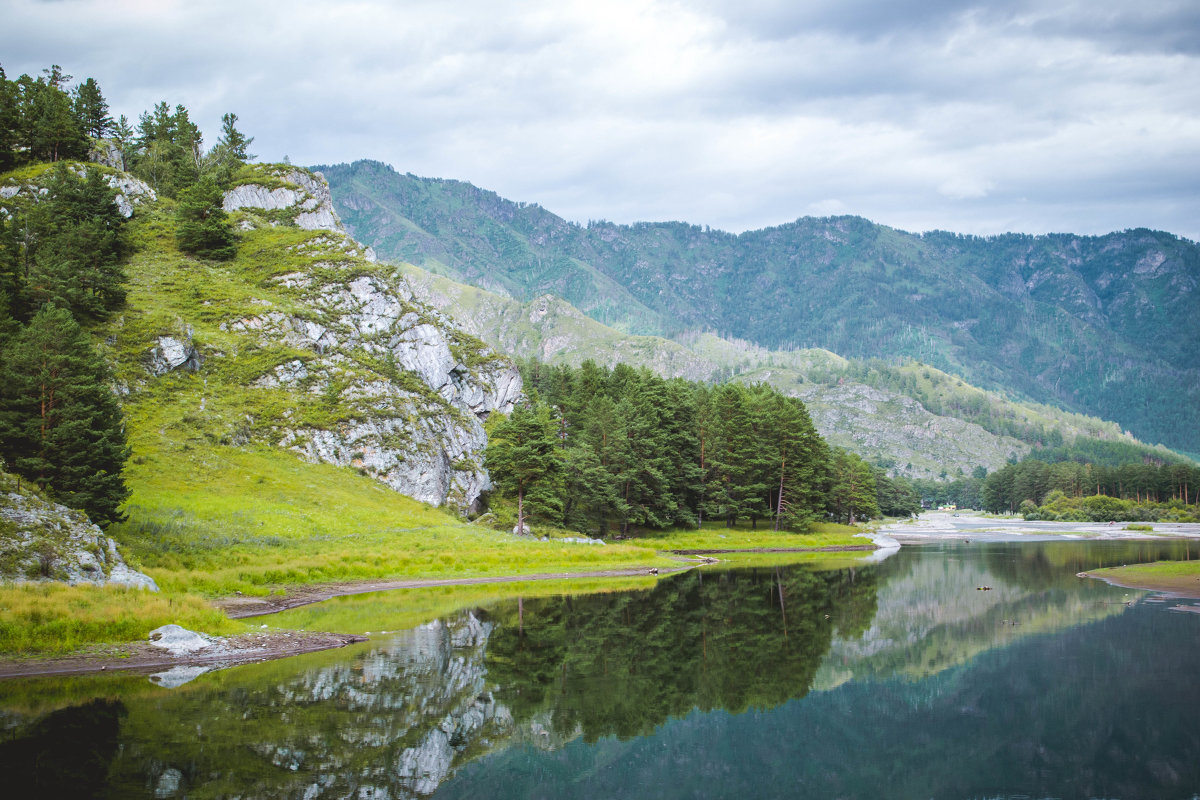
x=1102, y=325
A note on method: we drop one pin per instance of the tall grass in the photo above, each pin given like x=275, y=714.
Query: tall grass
x=52, y=618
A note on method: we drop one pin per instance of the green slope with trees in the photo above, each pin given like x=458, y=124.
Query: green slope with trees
x=1103, y=325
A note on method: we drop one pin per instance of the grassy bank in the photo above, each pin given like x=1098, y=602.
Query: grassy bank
x=54, y=619
x=216, y=509
x=208, y=520
x=716, y=536
x=1180, y=577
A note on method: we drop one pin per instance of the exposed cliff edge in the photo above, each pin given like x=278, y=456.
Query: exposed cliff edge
x=40, y=540
x=327, y=352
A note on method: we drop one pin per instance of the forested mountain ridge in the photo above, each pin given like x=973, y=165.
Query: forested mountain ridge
x=1103, y=325
x=916, y=419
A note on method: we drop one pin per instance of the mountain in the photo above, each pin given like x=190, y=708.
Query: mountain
x=1102, y=325
x=915, y=419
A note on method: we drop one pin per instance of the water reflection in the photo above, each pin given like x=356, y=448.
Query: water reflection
x=699, y=685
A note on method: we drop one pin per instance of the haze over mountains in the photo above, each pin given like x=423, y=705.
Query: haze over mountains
x=1102, y=325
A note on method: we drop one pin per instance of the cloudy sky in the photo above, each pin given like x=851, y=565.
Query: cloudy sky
x=979, y=117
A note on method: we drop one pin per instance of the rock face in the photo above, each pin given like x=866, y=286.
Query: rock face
x=40, y=540
x=303, y=194
x=170, y=354
x=413, y=389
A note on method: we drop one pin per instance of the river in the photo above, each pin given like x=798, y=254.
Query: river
x=951, y=669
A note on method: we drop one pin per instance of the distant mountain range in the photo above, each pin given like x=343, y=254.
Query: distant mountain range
x=1101, y=325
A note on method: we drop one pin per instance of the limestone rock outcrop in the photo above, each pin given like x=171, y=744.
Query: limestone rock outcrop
x=303, y=195
x=45, y=541
x=409, y=389
x=170, y=354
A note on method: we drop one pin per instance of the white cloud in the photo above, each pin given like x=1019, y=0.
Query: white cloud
x=954, y=114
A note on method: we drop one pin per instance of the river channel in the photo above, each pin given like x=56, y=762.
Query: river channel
x=951, y=669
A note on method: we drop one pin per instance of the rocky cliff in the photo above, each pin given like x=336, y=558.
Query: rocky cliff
x=305, y=342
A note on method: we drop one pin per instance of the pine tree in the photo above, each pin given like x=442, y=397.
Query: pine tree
x=122, y=135
x=9, y=122
x=202, y=226
x=91, y=109
x=230, y=152
x=737, y=485
x=76, y=246
x=169, y=149
x=523, y=459
x=57, y=132
x=852, y=488
x=60, y=424
x=798, y=457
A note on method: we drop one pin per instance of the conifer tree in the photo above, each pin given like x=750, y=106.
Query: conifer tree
x=57, y=132
x=202, y=226
x=522, y=458
x=76, y=246
x=122, y=135
x=230, y=152
x=852, y=487
x=169, y=149
x=9, y=122
x=91, y=109
x=60, y=424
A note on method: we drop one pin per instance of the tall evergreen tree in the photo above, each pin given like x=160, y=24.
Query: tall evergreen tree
x=60, y=424
x=202, y=226
x=9, y=122
x=522, y=458
x=123, y=137
x=230, y=152
x=91, y=109
x=76, y=245
x=169, y=149
x=57, y=132
x=852, y=488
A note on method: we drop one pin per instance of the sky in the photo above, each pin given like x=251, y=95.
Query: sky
x=976, y=117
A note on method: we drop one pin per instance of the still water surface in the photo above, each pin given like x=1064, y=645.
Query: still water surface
x=899, y=679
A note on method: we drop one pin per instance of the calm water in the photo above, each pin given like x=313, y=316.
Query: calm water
x=901, y=679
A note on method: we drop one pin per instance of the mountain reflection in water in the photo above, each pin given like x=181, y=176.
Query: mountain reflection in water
x=922, y=685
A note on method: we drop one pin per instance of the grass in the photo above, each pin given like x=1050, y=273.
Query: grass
x=228, y=519
x=54, y=619
x=715, y=536
x=1166, y=576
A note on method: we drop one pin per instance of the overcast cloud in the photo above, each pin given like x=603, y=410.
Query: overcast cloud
x=975, y=117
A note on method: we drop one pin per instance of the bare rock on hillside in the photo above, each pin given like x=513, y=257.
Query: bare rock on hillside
x=44, y=541
x=305, y=195
x=415, y=389
x=171, y=354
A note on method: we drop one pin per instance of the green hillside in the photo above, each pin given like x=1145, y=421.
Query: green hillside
x=1102, y=325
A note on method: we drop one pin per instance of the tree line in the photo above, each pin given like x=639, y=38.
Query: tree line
x=619, y=450
x=1068, y=488
x=63, y=247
